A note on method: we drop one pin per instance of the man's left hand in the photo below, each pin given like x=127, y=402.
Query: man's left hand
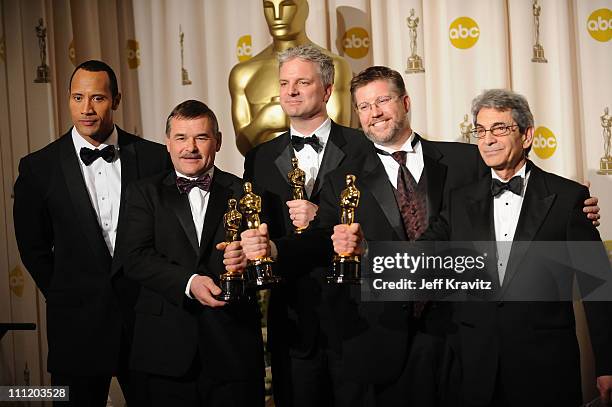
x=233, y=257
x=604, y=385
x=591, y=208
x=302, y=212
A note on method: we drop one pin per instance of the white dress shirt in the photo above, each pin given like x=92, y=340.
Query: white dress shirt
x=198, y=202
x=506, y=212
x=103, y=182
x=414, y=160
x=309, y=160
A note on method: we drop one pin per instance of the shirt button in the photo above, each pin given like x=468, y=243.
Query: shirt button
x=100, y=173
x=103, y=198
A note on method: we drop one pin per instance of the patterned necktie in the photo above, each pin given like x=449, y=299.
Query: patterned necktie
x=185, y=184
x=89, y=155
x=298, y=143
x=412, y=201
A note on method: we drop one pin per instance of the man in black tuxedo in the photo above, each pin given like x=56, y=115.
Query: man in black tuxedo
x=300, y=365
x=391, y=353
x=195, y=349
x=69, y=224
x=513, y=354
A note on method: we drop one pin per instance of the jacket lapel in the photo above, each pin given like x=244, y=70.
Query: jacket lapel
x=180, y=206
x=480, y=212
x=129, y=162
x=83, y=207
x=217, y=204
x=435, y=173
x=284, y=156
x=332, y=157
x=376, y=181
x=536, y=205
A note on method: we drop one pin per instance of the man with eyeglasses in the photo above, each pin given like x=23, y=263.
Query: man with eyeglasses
x=514, y=353
x=391, y=353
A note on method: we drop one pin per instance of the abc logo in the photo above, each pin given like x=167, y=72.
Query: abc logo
x=133, y=54
x=599, y=24
x=356, y=42
x=544, y=142
x=244, y=48
x=463, y=33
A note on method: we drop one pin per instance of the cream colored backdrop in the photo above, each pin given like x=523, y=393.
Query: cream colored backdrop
x=466, y=47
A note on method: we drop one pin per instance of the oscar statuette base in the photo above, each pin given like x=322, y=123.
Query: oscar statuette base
x=233, y=286
x=345, y=270
x=259, y=274
x=605, y=166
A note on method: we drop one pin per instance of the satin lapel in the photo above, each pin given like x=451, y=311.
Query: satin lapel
x=332, y=157
x=217, y=204
x=435, y=173
x=283, y=159
x=180, y=205
x=536, y=205
x=480, y=212
x=377, y=183
x=129, y=162
x=84, y=211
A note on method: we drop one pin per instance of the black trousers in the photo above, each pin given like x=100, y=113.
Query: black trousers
x=197, y=388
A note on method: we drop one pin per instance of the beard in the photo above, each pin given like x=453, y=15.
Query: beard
x=392, y=135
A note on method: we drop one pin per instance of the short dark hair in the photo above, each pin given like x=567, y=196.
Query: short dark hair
x=378, y=73
x=192, y=109
x=94, y=65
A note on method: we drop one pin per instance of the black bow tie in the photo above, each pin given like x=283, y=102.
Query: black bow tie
x=89, y=155
x=515, y=185
x=185, y=184
x=298, y=142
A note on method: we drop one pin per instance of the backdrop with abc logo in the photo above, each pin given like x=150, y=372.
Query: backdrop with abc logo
x=166, y=51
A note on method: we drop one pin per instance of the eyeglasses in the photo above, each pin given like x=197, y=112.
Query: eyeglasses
x=497, y=130
x=380, y=102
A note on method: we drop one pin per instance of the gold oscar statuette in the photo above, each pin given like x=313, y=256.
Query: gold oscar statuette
x=42, y=71
x=297, y=180
x=465, y=127
x=184, y=74
x=346, y=266
x=232, y=282
x=259, y=271
x=538, y=49
x=415, y=62
x=605, y=163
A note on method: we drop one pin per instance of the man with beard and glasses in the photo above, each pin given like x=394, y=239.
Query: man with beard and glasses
x=390, y=353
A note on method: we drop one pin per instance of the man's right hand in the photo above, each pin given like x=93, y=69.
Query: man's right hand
x=256, y=242
x=348, y=239
x=203, y=288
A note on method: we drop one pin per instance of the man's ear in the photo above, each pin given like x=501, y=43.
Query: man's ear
x=219, y=140
x=328, y=92
x=116, y=101
x=528, y=138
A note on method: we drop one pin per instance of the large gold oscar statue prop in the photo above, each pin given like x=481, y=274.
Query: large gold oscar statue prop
x=253, y=84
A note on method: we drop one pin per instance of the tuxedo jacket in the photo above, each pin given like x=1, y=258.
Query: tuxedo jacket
x=531, y=347
x=374, y=338
x=171, y=329
x=294, y=310
x=62, y=246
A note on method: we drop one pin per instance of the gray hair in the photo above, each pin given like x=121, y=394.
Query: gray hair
x=311, y=53
x=502, y=99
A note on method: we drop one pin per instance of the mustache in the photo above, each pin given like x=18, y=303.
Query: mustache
x=191, y=155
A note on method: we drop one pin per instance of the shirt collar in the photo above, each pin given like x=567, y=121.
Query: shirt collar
x=521, y=173
x=80, y=142
x=210, y=173
x=322, y=132
x=407, y=146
